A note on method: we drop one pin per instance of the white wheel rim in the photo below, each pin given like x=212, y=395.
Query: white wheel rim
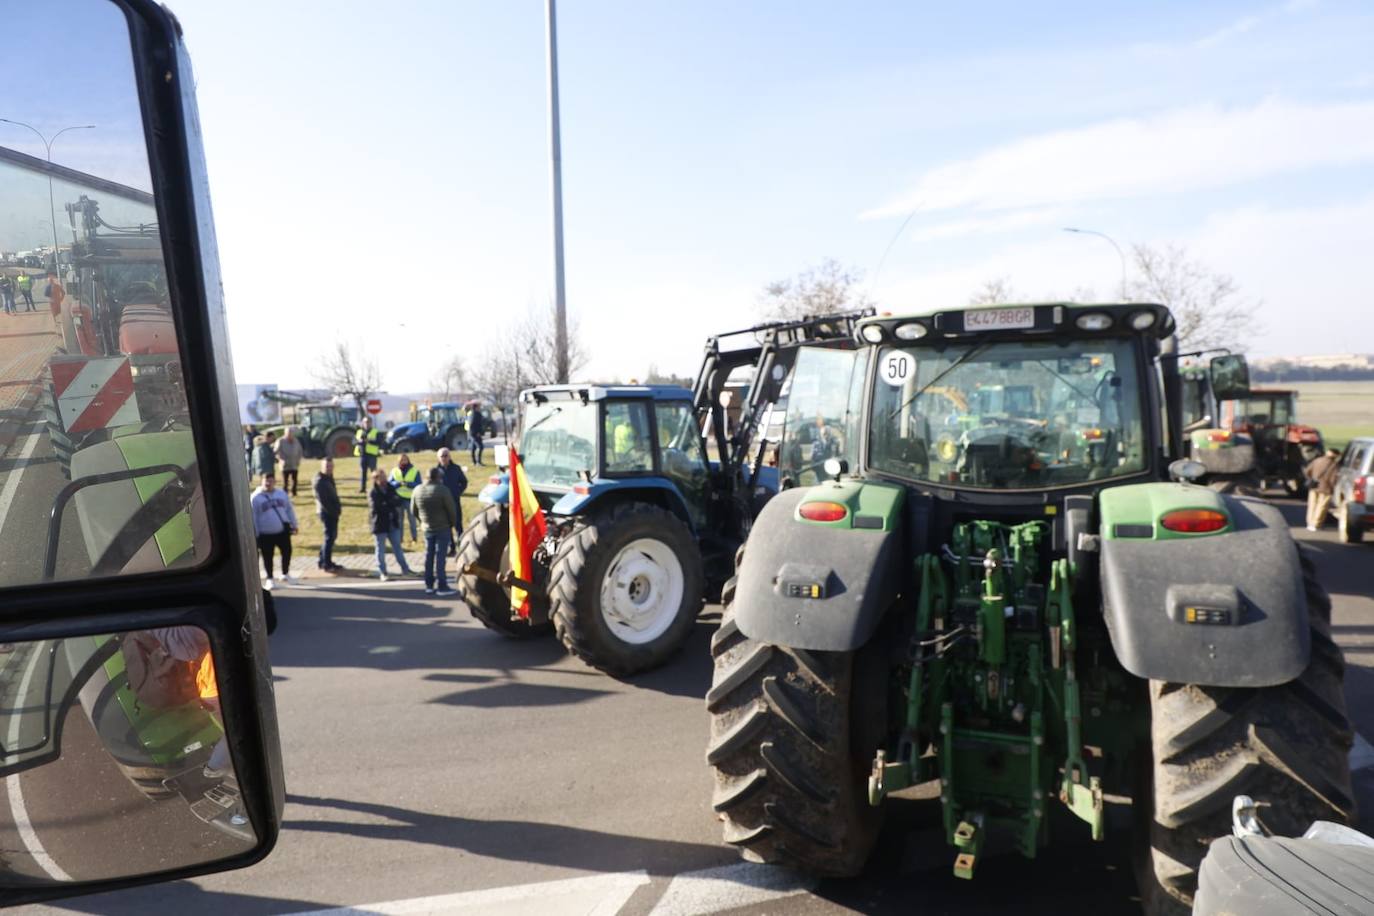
x=642, y=590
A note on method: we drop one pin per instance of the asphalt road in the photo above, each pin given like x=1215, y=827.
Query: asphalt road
x=428, y=758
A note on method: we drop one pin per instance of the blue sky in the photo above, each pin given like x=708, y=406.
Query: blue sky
x=382, y=178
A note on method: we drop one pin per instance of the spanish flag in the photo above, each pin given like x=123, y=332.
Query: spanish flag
x=527, y=530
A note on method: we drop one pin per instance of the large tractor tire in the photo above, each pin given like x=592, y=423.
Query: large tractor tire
x=1287, y=747
x=457, y=439
x=626, y=587
x=789, y=751
x=339, y=444
x=486, y=543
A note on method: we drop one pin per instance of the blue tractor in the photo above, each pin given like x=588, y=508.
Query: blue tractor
x=648, y=490
x=437, y=425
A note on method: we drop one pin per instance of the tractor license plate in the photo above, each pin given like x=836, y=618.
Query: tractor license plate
x=998, y=319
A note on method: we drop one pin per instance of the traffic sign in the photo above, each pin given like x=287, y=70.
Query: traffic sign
x=374, y=406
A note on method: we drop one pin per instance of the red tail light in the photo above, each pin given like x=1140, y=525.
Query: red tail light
x=1092, y=434
x=1194, y=521
x=1221, y=435
x=822, y=512
x=581, y=489
x=1361, y=487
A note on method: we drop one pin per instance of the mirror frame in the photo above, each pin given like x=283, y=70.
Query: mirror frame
x=222, y=595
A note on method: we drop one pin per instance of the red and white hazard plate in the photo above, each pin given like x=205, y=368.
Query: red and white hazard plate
x=94, y=393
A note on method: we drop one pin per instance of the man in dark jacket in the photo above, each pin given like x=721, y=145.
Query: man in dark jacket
x=438, y=512
x=328, y=508
x=456, y=482
x=477, y=426
x=265, y=458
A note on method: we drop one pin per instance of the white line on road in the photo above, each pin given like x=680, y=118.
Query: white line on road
x=12, y=480
x=594, y=895
x=16, y=796
x=728, y=887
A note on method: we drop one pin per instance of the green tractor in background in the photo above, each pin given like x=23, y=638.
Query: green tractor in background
x=1030, y=612
x=1229, y=454
x=325, y=430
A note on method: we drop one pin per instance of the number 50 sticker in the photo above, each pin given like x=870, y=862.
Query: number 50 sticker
x=897, y=369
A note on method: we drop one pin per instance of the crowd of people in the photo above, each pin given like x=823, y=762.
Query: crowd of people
x=428, y=504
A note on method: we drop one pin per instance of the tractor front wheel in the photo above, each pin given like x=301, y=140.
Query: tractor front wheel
x=339, y=444
x=1285, y=746
x=626, y=586
x=789, y=754
x=485, y=549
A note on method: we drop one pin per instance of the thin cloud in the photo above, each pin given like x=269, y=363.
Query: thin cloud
x=1168, y=153
x=991, y=225
x=1239, y=27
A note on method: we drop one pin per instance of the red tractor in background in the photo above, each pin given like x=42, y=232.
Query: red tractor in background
x=1283, y=446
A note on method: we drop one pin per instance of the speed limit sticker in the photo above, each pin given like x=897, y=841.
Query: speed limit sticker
x=897, y=369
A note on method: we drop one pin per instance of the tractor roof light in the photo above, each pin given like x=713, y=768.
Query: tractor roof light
x=873, y=333
x=822, y=511
x=1093, y=321
x=1143, y=321
x=912, y=330
x=1194, y=521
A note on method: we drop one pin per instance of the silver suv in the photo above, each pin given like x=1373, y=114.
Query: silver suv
x=1353, y=500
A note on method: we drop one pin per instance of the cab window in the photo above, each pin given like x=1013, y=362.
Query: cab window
x=681, y=455
x=824, y=404
x=625, y=436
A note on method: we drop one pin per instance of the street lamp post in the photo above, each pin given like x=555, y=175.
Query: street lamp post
x=1103, y=235
x=560, y=306
x=47, y=148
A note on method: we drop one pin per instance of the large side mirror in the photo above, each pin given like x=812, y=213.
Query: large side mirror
x=1230, y=376
x=133, y=650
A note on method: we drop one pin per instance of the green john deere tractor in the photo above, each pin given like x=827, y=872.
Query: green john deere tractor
x=1031, y=613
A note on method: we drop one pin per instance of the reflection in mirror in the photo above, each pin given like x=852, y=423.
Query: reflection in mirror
x=1230, y=377
x=113, y=754
x=98, y=471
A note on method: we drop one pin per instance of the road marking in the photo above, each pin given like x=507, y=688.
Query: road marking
x=728, y=887
x=12, y=480
x=1361, y=754
x=594, y=895
x=16, y=795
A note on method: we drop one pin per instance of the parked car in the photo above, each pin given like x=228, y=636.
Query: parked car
x=1353, y=500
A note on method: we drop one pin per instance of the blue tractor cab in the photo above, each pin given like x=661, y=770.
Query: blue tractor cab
x=648, y=491
x=436, y=426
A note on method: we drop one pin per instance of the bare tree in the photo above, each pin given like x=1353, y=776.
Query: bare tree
x=350, y=372
x=451, y=379
x=993, y=292
x=1207, y=305
x=523, y=356
x=822, y=289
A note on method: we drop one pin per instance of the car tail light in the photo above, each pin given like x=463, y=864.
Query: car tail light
x=1194, y=521
x=822, y=512
x=1361, y=487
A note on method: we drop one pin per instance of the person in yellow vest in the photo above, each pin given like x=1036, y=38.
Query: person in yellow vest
x=405, y=477
x=367, y=446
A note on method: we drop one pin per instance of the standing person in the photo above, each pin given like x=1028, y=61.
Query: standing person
x=1321, y=483
x=438, y=512
x=405, y=477
x=456, y=482
x=367, y=446
x=328, y=508
x=55, y=294
x=274, y=521
x=265, y=457
x=250, y=439
x=476, y=427
x=25, y=284
x=7, y=292
x=384, y=514
x=290, y=451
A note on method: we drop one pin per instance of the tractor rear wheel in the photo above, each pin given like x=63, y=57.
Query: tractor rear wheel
x=339, y=444
x=485, y=544
x=456, y=439
x=626, y=586
x=1286, y=747
x=788, y=749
